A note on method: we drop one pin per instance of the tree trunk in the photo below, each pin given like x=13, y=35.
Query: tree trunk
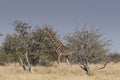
x=23, y=65
x=85, y=67
x=28, y=63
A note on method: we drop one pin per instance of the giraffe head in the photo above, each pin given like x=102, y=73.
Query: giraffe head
x=45, y=30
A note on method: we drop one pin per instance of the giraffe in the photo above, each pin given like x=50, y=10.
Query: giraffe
x=61, y=50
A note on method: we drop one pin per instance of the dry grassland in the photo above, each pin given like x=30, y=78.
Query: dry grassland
x=60, y=72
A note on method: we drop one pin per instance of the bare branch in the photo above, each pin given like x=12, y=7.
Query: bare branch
x=104, y=65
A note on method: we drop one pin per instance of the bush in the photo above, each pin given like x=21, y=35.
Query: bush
x=88, y=44
x=114, y=57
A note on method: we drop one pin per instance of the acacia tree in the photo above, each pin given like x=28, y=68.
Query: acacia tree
x=89, y=47
x=29, y=46
x=43, y=48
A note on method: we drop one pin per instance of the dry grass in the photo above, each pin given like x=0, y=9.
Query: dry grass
x=60, y=72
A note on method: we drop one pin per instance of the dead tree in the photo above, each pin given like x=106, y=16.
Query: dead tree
x=89, y=46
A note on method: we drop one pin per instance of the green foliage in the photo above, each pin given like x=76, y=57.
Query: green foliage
x=42, y=48
x=33, y=41
x=3, y=57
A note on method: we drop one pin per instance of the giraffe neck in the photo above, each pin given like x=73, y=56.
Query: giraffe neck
x=54, y=41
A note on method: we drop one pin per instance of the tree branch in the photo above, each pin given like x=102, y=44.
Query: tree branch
x=104, y=65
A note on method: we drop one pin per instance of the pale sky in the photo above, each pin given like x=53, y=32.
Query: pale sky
x=65, y=16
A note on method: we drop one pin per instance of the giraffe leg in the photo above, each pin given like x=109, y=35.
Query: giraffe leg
x=58, y=59
x=68, y=60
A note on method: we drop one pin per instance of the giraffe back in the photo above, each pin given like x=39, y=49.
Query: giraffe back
x=53, y=40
